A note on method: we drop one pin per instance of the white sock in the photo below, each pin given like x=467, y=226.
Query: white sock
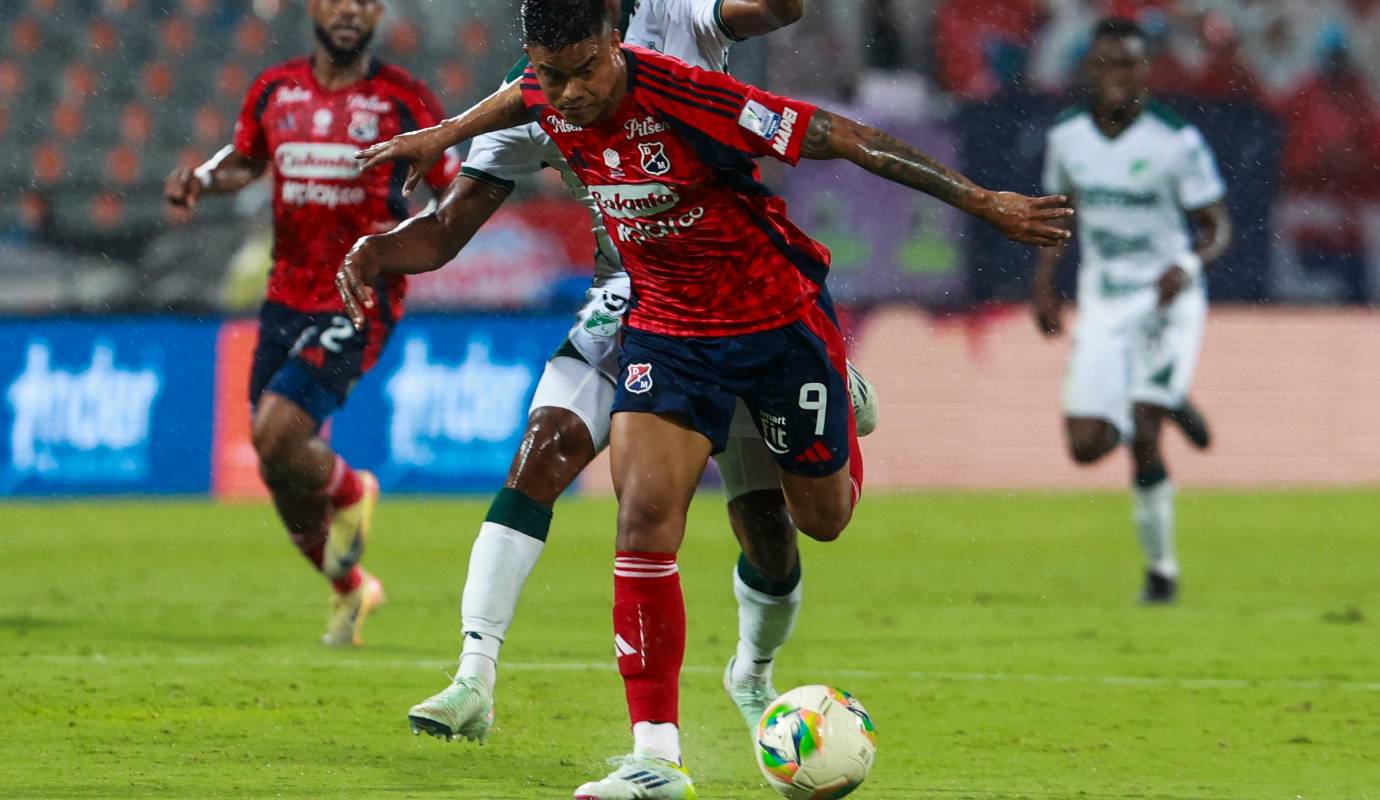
x=657, y=740
x=1154, y=514
x=500, y=562
x=765, y=622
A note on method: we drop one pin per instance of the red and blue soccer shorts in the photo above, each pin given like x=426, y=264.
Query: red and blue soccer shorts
x=313, y=359
x=793, y=379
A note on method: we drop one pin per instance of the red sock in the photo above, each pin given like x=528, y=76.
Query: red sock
x=350, y=582
x=313, y=546
x=649, y=634
x=343, y=487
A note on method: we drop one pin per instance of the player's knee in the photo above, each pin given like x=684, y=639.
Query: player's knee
x=555, y=448
x=647, y=527
x=1086, y=451
x=825, y=524
x=1088, y=441
x=272, y=442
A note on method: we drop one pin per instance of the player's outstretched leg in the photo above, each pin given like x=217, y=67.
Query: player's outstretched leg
x=1154, y=507
x=326, y=506
x=656, y=463
x=557, y=445
x=766, y=583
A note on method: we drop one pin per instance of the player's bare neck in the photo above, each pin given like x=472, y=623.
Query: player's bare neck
x=1113, y=122
x=332, y=75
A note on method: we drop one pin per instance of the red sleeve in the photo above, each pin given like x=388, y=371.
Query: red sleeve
x=428, y=111
x=249, y=132
x=730, y=112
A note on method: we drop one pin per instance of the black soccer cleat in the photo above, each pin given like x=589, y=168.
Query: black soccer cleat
x=1159, y=590
x=1194, y=425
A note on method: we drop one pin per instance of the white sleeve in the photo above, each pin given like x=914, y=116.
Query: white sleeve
x=1197, y=183
x=503, y=157
x=1053, y=178
x=704, y=19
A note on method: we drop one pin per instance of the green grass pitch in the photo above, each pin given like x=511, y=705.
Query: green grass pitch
x=169, y=650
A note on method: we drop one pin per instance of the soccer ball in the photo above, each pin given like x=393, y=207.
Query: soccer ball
x=816, y=743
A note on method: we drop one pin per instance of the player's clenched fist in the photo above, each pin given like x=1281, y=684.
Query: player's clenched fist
x=1028, y=220
x=355, y=281
x=182, y=188
x=1049, y=308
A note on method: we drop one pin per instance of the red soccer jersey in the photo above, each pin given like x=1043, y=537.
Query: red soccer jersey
x=709, y=249
x=321, y=202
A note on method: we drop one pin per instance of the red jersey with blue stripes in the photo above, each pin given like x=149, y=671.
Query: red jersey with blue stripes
x=321, y=202
x=709, y=249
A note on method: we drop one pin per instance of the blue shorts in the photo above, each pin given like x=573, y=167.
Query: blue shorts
x=793, y=380
x=314, y=360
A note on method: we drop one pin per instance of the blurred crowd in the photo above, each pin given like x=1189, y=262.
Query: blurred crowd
x=99, y=99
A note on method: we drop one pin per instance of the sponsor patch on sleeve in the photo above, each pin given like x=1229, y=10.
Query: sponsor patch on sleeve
x=760, y=120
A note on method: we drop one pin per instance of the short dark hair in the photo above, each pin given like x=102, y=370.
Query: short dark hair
x=1118, y=28
x=557, y=24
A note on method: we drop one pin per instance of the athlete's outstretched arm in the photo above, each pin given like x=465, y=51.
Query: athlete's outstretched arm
x=422, y=148
x=226, y=171
x=422, y=244
x=1029, y=220
x=748, y=18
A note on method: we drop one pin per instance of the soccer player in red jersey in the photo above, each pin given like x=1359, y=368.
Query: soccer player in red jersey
x=729, y=302
x=307, y=117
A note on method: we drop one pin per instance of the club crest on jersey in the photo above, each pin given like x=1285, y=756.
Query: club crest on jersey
x=364, y=126
x=639, y=380
x=321, y=121
x=654, y=158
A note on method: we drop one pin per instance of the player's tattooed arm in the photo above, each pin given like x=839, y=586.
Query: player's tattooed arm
x=1029, y=220
x=424, y=243
x=748, y=18
x=421, y=149
x=226, y=171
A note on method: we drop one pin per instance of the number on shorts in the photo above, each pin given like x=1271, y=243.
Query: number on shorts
x=341, y=329
x=815, y=397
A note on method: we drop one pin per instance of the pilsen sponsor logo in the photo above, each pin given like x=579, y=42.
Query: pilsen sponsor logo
x=290, y=95
x=559, y=124
x=316, y=161
x=631, y=201
x=644, y=126
x=363, y=102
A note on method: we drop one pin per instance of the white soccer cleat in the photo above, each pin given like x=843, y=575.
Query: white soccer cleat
x=864, y=401
x=348, y=612
x=641, y=778
x=752, y=697
x=463, y=710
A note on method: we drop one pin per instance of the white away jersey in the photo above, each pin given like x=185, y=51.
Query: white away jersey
x=690, y=30
x=1131, y=193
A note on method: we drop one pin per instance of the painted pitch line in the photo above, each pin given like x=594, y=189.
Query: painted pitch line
x=695, y=669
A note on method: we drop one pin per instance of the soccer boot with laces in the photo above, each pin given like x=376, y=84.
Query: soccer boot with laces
x=463, y=710
x=641, y=778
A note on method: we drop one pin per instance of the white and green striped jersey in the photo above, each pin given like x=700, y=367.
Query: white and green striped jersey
x=690, y=30
x=1131, y=193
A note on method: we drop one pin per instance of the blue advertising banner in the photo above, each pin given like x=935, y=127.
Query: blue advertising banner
x=445, y=407
x=106, y=406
